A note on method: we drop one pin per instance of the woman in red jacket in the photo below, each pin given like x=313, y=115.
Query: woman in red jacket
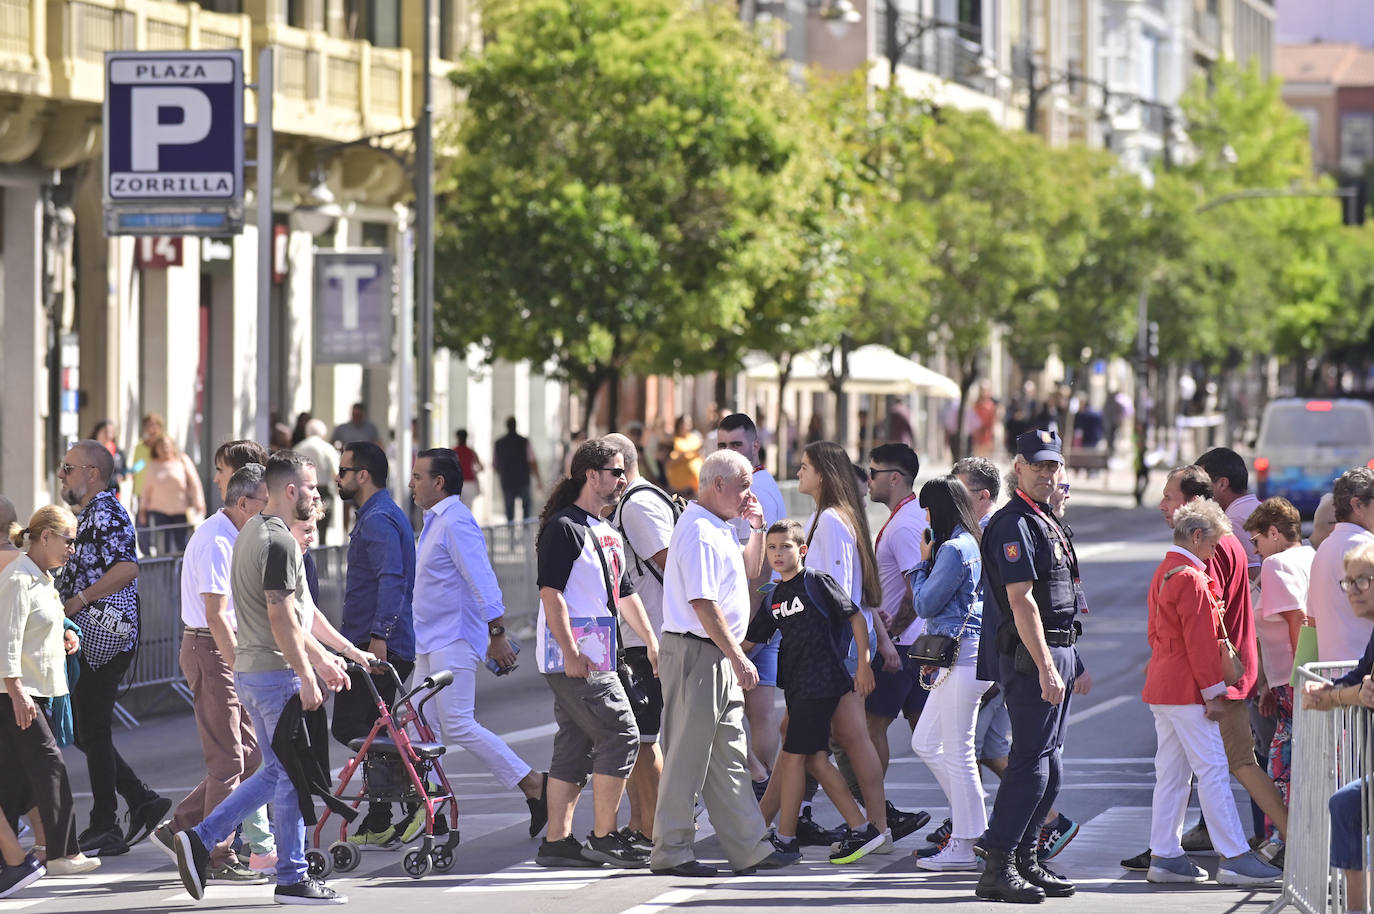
x=1185, y=688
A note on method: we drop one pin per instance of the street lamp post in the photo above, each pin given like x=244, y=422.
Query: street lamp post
x=424, y=227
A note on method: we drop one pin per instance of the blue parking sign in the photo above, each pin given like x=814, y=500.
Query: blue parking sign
x=174, y=127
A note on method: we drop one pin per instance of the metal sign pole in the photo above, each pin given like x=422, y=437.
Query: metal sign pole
x=266, y=81
x=424, y=225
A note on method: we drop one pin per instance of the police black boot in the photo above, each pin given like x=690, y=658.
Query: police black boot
x=1034, y=872
x=1002, y=882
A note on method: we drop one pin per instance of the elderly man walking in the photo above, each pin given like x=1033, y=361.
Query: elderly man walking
x=704, y=674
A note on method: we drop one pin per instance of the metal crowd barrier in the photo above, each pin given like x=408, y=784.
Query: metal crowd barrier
x=1330, y=749
x=509, y=546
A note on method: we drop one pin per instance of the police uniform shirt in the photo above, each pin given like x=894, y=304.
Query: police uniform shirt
x=1022, y=549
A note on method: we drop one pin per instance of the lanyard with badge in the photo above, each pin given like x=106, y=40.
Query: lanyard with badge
x=901, y=504
x=1065, y=547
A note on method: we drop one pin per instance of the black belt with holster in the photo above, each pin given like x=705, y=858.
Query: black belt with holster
x=1064, y=637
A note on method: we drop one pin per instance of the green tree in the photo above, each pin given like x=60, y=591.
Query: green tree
x=625, y=177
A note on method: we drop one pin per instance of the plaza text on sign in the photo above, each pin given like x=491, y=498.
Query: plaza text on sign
x=174, y=126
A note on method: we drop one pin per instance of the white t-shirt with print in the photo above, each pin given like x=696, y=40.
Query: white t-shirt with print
x=568, y=562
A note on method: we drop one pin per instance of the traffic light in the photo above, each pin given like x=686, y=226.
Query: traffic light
x=1354, y=202
x=1152, y=340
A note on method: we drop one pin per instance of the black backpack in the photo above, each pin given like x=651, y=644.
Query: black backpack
x=675, y=504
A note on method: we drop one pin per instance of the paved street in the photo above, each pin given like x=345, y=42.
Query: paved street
x=1109, y=777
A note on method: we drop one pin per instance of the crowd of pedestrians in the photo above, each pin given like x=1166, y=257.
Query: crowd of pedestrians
x=658, y=620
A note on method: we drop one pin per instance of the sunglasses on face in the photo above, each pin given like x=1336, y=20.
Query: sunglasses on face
x=874, y=471
x=617, y=472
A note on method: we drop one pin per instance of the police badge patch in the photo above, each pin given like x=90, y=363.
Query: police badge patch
x=1012, y=551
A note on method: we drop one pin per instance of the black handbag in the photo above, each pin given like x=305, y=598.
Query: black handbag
x=635, y=692
x=934, y=650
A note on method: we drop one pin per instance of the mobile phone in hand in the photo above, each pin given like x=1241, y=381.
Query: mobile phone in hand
x=927, y=535
x=496, y=667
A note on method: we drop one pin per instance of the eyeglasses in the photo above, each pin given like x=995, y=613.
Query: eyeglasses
x=874, y=471
x=1064, y=487
x=66, y=468
x=1254, y=540
x=1357, y=585
x=617, y=472
x=343, y=471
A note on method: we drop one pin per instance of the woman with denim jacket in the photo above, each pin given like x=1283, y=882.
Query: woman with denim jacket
x=945, y=589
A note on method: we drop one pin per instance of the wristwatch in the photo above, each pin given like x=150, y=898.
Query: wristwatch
x=496, y=631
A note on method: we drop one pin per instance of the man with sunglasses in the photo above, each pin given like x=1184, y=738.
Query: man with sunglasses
x=377, y=614
x=1340, y=632
x=100, y=593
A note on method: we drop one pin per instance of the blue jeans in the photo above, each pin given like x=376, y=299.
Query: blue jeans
x=1347, y=831
x=264, y=695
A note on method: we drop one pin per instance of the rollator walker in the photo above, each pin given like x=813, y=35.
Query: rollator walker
x=395, y=769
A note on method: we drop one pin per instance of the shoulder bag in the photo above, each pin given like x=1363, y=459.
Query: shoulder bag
x=633, y=685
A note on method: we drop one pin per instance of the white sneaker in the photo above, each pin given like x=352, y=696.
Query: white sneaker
x=73, y=866
x=956, y=855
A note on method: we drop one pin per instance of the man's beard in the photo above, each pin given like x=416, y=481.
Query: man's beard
x=305, y=506
x=71, y=496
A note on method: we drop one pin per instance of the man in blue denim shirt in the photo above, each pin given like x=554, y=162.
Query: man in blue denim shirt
x=376, y=611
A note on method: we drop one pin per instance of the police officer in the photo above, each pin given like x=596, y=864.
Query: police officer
x=1033, y=577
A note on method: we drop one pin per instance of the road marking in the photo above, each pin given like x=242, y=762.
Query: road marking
x=665, y=901
x=1077, y=716
x=19, y=904
x=529, y=733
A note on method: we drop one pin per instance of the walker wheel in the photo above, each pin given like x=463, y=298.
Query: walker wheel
x=346, y=856
x=317, y=863
x=442, y=858
x=416, y=864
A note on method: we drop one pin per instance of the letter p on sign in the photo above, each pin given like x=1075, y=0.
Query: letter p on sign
x=189, y=123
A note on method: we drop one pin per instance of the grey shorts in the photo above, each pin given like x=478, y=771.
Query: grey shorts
x=992, y=732
x=596, y=728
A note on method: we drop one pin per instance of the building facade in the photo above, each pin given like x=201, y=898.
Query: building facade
x=1331, y=85
x=99, y=327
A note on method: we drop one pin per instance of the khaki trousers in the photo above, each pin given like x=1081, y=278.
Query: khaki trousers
x=703, y=754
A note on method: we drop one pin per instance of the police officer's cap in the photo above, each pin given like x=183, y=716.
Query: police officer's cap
x=1037, y=445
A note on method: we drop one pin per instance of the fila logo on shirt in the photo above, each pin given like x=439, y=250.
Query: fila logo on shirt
x=780, y=610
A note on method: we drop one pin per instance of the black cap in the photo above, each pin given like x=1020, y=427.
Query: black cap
x=1037, y=445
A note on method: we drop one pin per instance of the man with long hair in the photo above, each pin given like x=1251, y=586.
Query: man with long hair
x=583, y=590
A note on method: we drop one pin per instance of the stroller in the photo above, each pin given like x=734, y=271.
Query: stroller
x=395, y=769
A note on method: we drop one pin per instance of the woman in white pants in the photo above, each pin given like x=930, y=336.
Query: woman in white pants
x=1185, y=688
x=945, y=588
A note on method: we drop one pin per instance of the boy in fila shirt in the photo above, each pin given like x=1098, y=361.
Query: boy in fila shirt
x=817, y=620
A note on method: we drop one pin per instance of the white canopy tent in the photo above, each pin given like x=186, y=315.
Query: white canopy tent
x=872, y=370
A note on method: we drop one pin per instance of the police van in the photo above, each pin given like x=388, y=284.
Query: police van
x=1304, y=445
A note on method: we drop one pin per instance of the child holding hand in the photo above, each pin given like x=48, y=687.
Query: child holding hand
x=817, y=618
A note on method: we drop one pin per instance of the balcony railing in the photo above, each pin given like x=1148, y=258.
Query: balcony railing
x=941, y=52
x=1207, y=32
x=79, y=32
x=337, y=88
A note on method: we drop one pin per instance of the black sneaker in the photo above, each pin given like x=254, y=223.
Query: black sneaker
x=107, y=843
x=941, y=834
x=15, y=878
x=637, y=839
x=809, y=834
x=857, y=844
x=145, y=817
x=308, y=891
x=904, y=823
x=566, y=852
x=615, y=850
x=760, y=788
x=193, y=863
x=784, y=846
x=1140, y=863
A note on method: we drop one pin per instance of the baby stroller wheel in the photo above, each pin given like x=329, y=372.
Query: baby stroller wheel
x=416, y=864
x=317, y=863
x=442, y=858
x=346, y=856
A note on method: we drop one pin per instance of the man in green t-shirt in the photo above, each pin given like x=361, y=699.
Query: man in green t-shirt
x=277, y=658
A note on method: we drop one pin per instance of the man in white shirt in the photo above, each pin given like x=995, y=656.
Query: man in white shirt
x=644, y=516
x=737, y=432
x=459, y=617
x=704, y=674
x=1341, y=635
x=1230, y=485
x=227, y=739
